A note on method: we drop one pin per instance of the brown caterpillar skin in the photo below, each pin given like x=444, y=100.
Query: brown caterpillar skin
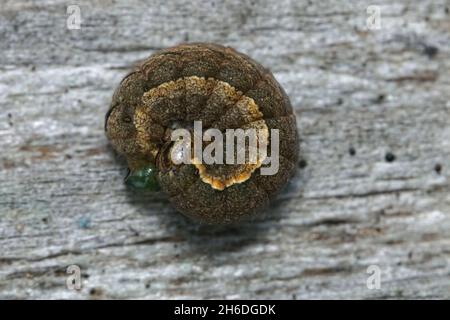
x=220, y=87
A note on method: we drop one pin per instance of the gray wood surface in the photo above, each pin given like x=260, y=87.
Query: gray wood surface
x=359, y=95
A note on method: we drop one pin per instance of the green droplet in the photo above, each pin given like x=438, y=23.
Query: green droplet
x=143, y=178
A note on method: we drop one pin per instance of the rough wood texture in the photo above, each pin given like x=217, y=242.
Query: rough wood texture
x=358, y=95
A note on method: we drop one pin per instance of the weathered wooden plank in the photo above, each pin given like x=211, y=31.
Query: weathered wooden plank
x=359, y=95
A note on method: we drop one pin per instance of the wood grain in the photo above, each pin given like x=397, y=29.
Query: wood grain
x=361, y=97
